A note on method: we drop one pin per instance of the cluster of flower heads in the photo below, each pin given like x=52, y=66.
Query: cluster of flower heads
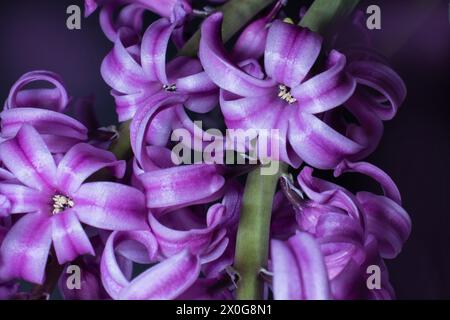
x=65, y=197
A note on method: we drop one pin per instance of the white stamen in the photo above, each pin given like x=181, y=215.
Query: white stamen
x=170, y=87
x=285, y=94
x=61, y=203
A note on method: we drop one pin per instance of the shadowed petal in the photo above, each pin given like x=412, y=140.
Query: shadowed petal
x=387, y=221
x=387, y=184
x=390, y=88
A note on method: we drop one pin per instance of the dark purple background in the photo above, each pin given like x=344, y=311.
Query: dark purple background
x=415, y=148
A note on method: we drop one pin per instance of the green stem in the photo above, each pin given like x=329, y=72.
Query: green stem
x=237, y=13
x=324, y=14
x=253, y=234
x=122, y=146
x=252, y=244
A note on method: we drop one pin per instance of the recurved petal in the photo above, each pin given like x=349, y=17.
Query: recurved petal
x=318, y=144
x=387, y=184
x=110, y=206
x=55, y=99
x=387, y=221
x=390, y=88
x=328, y=89
x=290, y=53
x=29, y=159
x=299, y=271
x=153, y=50
x=166, y=280
x=120, y=70
x=83, y=160
x=220, y=68
x=69, y=238
x=197, y=241
x=25, y=249
x=46, y=122
x=183, y=185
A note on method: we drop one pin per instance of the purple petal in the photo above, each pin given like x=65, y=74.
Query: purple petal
x=328, y=89
x=318, y=144
x=387, y=221
x=120, y=70
x=48, y=123
x=370, y=129
x=55, y=99
x=197, y=241
x=143, y=122
x=299, y=269
x=219, y=67
x=83, y=160
x=25, y=249
x=387, y=184
x=153, y=51
x=28, y=158
x=166, y=280
x=137, y=246
x=130, y=16
x=290, y=53
x=24, y=199
x=113, y=278
x=173, y=9
x=385, y=81
x=110, y=206
x=175, y=186
x=69, y=238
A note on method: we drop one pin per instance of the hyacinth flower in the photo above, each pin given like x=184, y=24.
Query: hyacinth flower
x=145, y=81
x=180, y=256
x=56, y=200
x=339, y=235
x=177, y=216
x=42, y=108
x=289, y=98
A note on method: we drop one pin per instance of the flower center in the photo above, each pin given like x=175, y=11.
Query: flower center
x=170, y=87
x=285, y=94
x=61, y=203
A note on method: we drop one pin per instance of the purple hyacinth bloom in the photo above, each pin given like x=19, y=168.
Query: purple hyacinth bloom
x=56, y=200
x=145, y=88
x=346, y=234
x=290, y=98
